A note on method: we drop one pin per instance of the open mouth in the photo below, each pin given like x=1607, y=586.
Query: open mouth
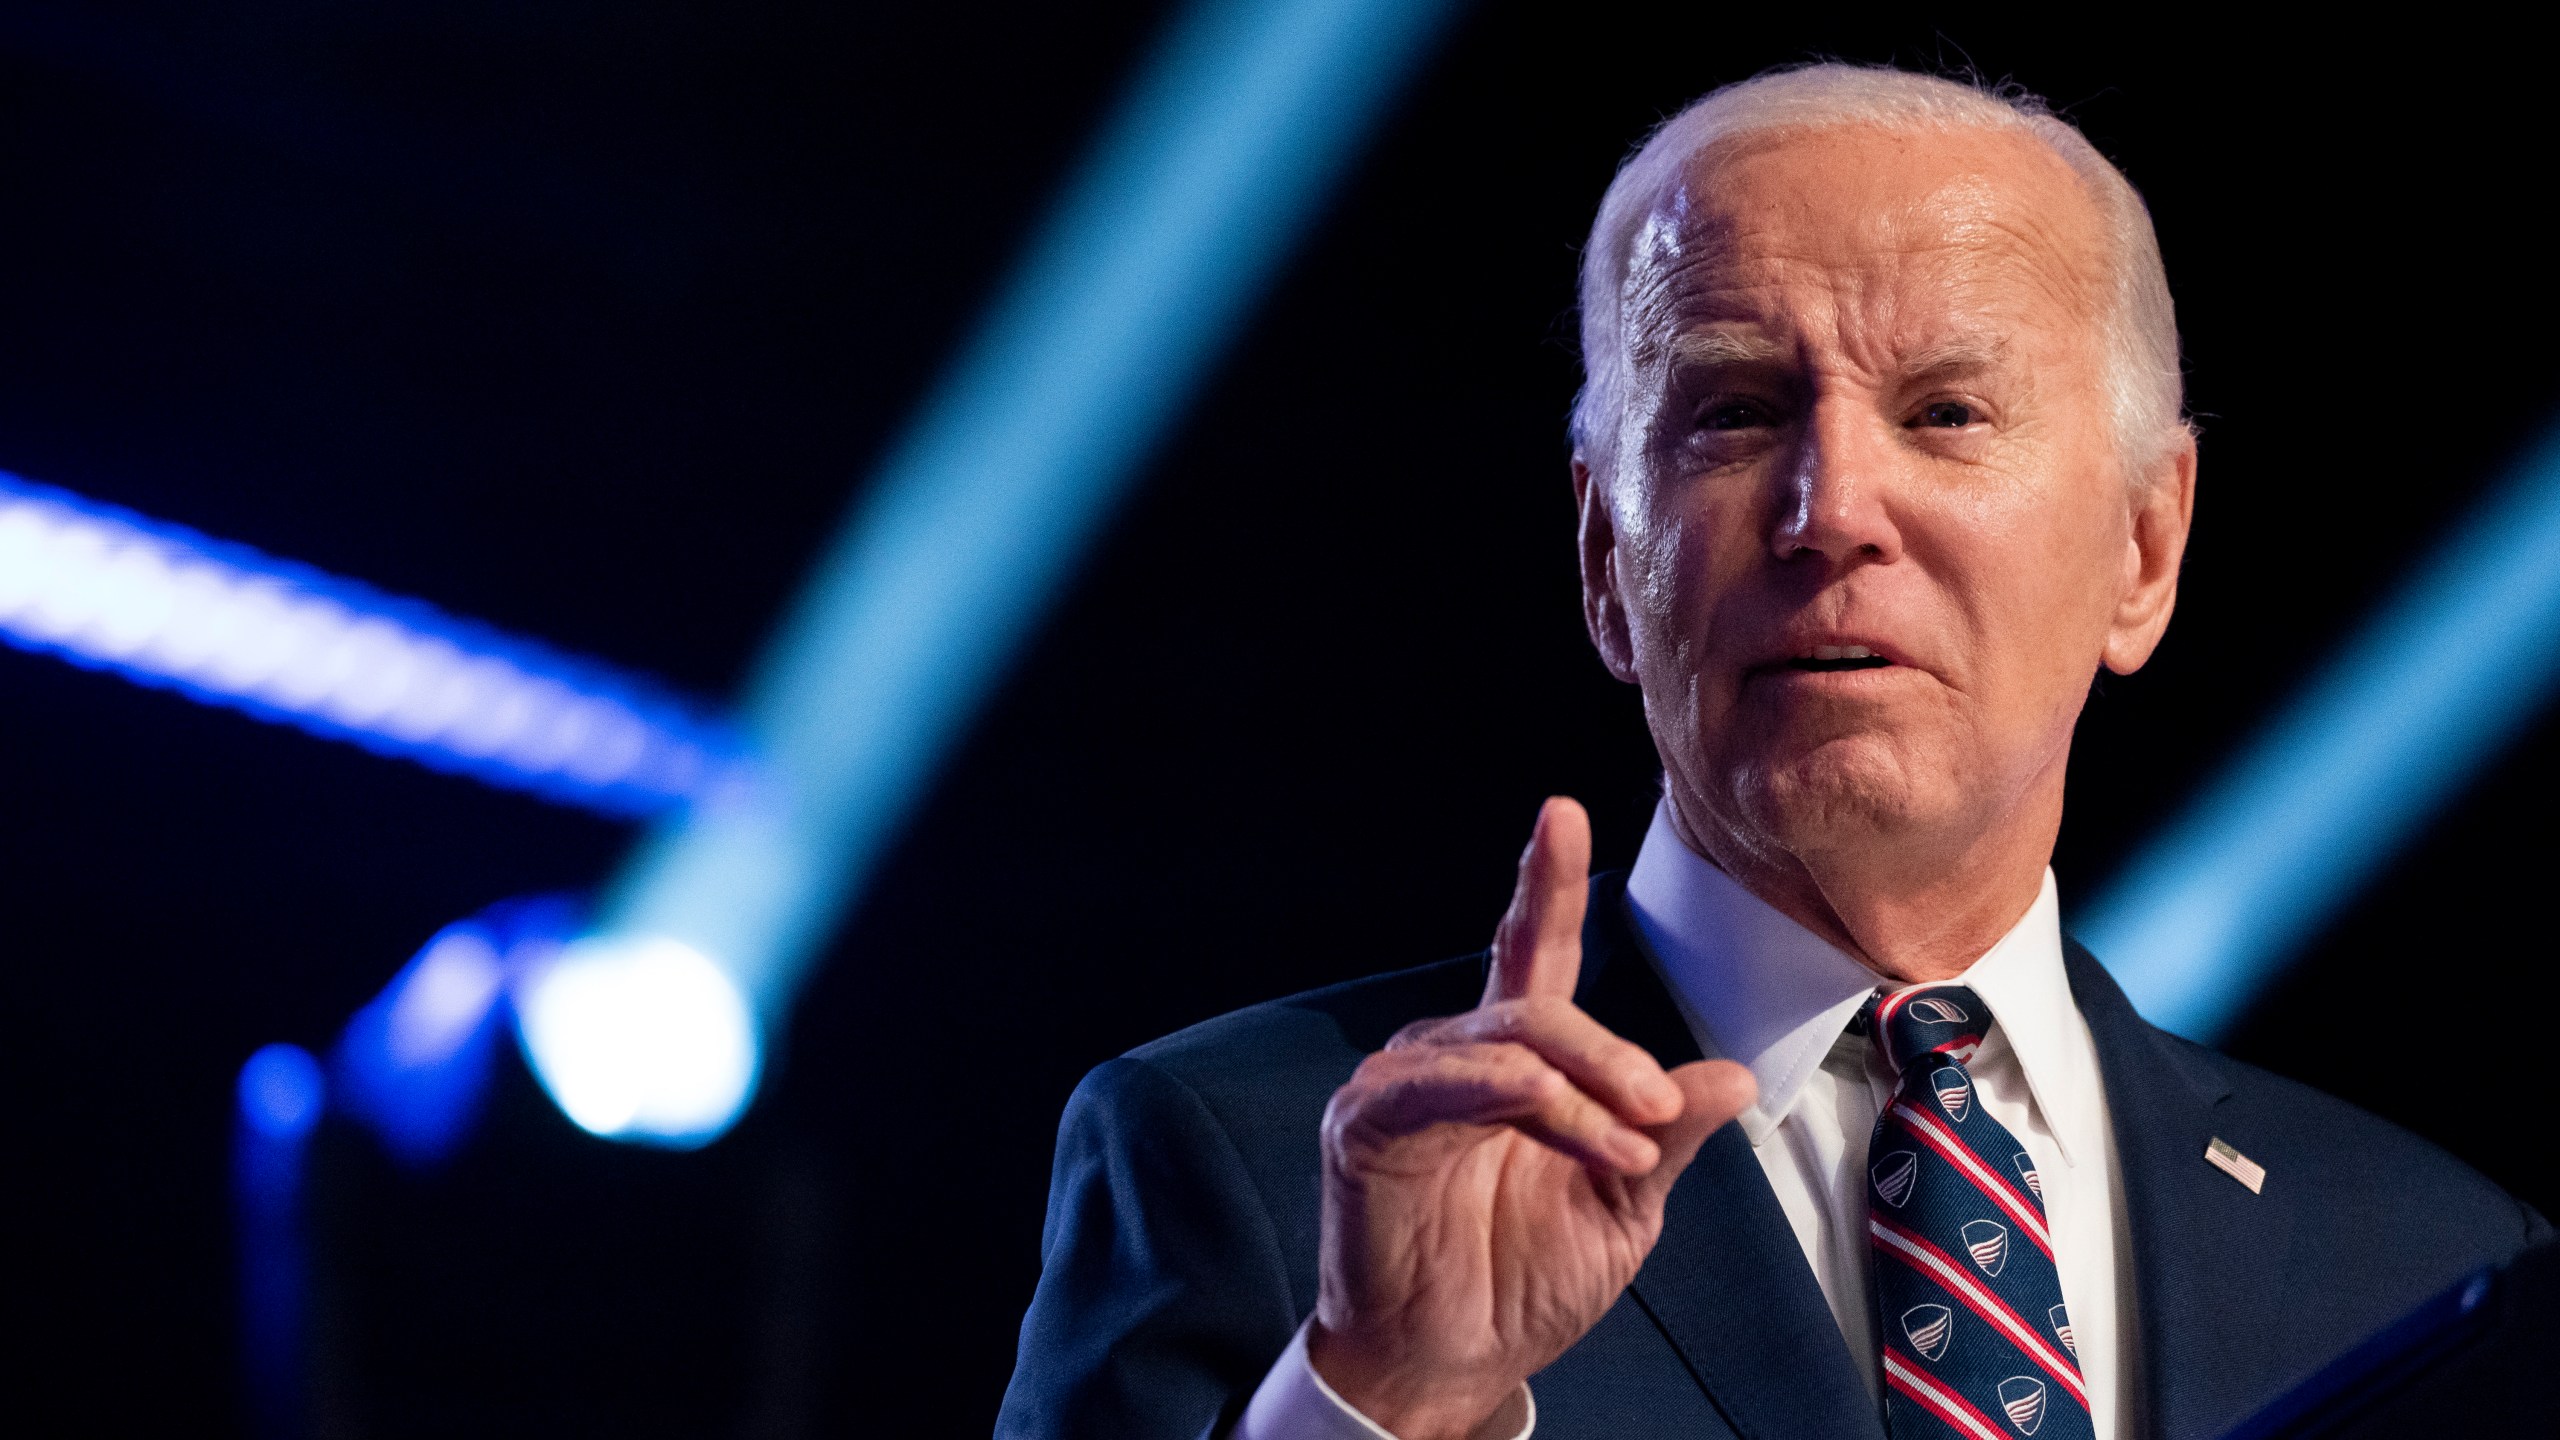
x=1827, y=658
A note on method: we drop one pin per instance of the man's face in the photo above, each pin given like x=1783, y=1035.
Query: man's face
x=1867, y=536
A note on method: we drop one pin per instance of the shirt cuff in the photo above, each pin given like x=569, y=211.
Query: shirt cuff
x=1294, y=1403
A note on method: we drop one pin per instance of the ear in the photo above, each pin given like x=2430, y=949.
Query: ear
x=2162, y=512
x=1603, y=613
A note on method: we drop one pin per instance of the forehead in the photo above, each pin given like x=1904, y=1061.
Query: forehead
x=1879, y=234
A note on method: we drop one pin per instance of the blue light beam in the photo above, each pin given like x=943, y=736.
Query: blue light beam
x=220, y=623
x=1176, y=221
x=2437, y=683
x=281, y=1096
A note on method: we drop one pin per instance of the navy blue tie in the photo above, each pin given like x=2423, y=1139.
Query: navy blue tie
x=1975, y=1340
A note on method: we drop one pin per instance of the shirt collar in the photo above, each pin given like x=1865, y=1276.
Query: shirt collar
x=2022, y=980
x=1759, y=988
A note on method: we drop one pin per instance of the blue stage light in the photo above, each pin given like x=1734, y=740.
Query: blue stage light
x=282, y=1092
x=159, y=604
x=641, y=1039
x=414, y=1064
x=282, y=1095
x=1177, y=219
x=2429, y=691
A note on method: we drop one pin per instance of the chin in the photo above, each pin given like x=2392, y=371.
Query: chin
x=1846, y=792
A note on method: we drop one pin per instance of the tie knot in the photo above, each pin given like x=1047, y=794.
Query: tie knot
x=1938, y=1019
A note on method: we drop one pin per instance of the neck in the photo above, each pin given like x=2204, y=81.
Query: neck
x=1911, y=908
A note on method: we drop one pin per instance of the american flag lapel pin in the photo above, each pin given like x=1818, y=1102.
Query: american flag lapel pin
x=2222, y=1157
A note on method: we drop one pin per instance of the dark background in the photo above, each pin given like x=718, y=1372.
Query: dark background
x=586, y=320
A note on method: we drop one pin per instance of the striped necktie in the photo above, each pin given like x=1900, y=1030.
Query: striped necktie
x=1975, y=1340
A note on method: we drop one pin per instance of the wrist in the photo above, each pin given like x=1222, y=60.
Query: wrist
x=1411, y=1401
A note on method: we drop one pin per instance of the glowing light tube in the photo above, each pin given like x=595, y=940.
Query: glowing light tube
x=221, y=623
x=281, y=1095
x=1177, y=219
x=2439, y=680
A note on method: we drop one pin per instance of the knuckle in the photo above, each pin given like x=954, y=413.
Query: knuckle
x=1497, y=1065
x=1336, y=1110
x=1547, y=1012
x=1373, y=1067
x=1564, y=1098
x=1419, y=1033
x=1546, y=1085
x=1377, y=1074
x=1633, y=1062
x=1339, y=1114
x=1448, y=1061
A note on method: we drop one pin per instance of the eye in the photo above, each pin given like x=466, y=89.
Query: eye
x=1945, y=415
x=1733, y=415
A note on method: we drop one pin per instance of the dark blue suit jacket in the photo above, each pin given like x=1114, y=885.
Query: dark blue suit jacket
x=1180, y=1249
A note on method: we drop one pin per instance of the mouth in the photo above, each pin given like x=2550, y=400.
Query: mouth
x=1825, y=659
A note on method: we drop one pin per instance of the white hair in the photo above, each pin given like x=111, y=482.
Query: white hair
x=2146, y=391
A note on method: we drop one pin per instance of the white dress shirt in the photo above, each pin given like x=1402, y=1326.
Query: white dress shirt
x=1757, y=987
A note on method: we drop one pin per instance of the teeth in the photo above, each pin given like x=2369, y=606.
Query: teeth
x=1843, y=652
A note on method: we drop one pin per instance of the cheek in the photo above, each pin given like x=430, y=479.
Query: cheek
x=2044, y=573
x=1678, y=566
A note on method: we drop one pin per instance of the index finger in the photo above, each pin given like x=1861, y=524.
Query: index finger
x=1537, y=949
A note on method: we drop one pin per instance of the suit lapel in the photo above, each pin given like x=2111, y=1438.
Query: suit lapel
x=1727, y=1283
x=2208, y=1255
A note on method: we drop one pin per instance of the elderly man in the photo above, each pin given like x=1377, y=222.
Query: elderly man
x=1880, y=459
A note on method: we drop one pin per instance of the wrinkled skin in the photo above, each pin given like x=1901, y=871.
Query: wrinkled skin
x=1493, y=1180
x=1868, y=410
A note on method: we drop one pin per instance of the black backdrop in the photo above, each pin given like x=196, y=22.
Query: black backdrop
x=586, y=319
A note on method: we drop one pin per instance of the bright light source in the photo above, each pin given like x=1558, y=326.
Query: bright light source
x=639, y=1039
x=282, y=1092
x=224, y=624
x=1192, y=195
x=1178, y=218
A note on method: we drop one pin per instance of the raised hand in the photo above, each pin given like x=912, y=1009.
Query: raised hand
x=1493, y=1180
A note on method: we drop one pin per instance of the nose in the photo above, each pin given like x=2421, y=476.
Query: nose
x=1832, y=502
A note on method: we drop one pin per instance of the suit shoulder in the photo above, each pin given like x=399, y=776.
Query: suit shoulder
x=2362, y=1169
x=1314, y=1039
x=1248, y=1089
x=2364, y=1181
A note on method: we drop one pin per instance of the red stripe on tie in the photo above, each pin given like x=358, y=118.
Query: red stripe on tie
x=1892, y=1006
x=1934, y=1397
x=1929, y=1132
x=1947, y=1275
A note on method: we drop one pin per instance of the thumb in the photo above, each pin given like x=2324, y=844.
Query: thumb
x=1713, y=1092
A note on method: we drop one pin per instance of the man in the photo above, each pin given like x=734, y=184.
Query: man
x=1880, y=458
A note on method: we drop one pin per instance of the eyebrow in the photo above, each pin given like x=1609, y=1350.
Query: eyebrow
x=1722, y=347
x=1717, y=347
x=1964, y=352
